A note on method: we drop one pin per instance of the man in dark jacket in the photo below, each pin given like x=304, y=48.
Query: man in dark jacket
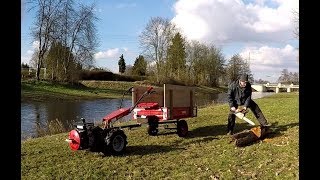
x=239, y=94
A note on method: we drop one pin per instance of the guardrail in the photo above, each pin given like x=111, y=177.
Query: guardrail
x=276, y=86
x=279, y=85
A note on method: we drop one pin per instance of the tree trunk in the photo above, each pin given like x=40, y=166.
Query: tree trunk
x=39, y=63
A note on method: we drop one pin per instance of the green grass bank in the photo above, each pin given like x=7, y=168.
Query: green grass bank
x=206, y=153
x=44, y=90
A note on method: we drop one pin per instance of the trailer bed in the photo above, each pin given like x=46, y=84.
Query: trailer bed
x=166, y=103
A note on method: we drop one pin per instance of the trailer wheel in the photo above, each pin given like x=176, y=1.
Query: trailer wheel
x=152, y=125
x=115, y=142
x=152, y=130
x=182, y=128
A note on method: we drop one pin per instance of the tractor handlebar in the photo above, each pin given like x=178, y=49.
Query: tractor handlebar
x=149, y=89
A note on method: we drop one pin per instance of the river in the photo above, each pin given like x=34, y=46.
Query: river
x=39, y=114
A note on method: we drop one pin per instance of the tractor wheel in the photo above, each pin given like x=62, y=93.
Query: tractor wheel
x=74, y=140
x=182, y=128
x=95, y=139
x=115, y=142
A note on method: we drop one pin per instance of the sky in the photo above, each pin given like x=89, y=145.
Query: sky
x=261, y=31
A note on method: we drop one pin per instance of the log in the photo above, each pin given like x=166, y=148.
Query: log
x=251, y=136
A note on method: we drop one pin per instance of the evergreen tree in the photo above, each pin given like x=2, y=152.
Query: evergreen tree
x=176, y=61
x=140, y=66
x=58, y=55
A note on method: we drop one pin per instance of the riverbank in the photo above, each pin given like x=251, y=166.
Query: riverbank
x=44, y=90
x=205, y=154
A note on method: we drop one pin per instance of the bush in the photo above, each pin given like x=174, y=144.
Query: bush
x=108, y=76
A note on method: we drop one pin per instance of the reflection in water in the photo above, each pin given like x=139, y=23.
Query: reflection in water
x=35, y=115
x=204, y=99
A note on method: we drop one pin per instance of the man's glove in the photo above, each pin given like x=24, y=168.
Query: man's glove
x=244, y=110
x=233, y=109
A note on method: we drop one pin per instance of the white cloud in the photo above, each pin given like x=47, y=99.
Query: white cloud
x=35, y=45
x=25, y=59
x=110, y=53
x=268, y=62
x=30, y=52
x=221, y=21
x=264, y=23
x=108, y=59
x=113, y=53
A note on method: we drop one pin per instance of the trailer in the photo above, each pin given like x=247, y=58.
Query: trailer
x=170, y=104
x=154, y=107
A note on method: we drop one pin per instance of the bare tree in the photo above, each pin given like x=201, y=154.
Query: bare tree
x=204, y=63
x=46, y=15
x=78, y=33
x=195, y=55
x=154, y=41
x=215, y=63
x=296, y=23
x=289, y=77
x=61, y=21
x=294, y=77
x=296, y=27
x=237, y=66
x=285, y=76
x=34, y=59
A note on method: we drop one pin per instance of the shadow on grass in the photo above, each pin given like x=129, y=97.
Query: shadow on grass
x=274, y=131
x=149, y=149
x=277, y=130
x=167, y=132
x=215, y=130
x=209, y=133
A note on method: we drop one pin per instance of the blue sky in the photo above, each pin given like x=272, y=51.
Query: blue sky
x=259, y=30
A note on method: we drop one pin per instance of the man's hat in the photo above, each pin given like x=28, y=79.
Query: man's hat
x=244, y=77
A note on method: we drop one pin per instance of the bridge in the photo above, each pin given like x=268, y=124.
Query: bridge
x=275, y=87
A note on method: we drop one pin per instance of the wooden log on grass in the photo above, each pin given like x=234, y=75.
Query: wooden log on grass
x=248, y=137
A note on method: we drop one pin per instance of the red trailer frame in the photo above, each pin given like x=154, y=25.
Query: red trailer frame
x=157, y=106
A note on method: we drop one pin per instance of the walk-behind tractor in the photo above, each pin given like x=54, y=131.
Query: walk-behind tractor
x=154, y=107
